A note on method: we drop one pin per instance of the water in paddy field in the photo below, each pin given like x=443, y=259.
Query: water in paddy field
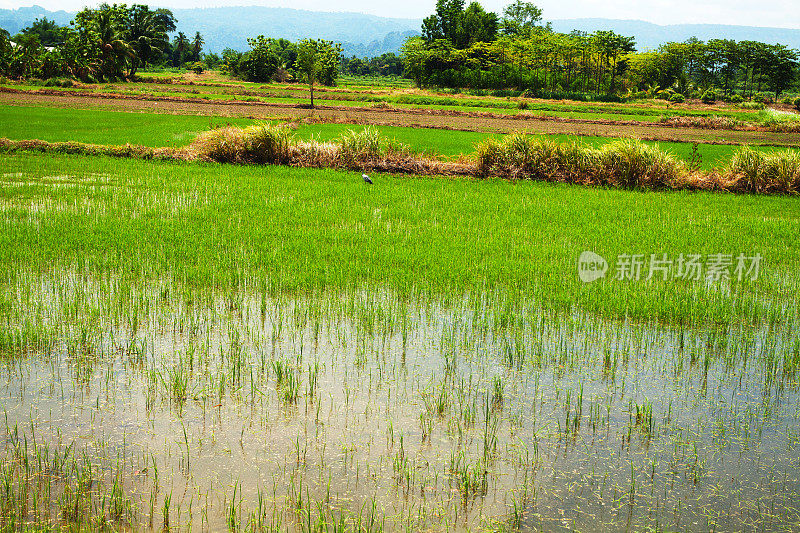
x=143, y=405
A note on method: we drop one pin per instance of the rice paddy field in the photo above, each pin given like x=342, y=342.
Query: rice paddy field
x=204, y=346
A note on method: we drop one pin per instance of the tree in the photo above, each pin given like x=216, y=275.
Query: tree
x=261, y=62
x=414, y=53
x=520, y=18
x=49, y=33
x=146, y=35
x=197, y=46
x=212, y=60
x=103, y=40
x=445, y=23
x=781, y=67
x=180, y=46
x=318, y=60
x=478, y=25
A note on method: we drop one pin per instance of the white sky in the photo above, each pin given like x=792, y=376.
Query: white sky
x=771, y=13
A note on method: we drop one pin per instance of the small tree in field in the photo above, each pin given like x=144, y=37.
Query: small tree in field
x=318, y=61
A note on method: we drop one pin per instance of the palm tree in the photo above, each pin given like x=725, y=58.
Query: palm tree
x=197, y=46
x=113, y=46
x=181, y=46
x=146, y=35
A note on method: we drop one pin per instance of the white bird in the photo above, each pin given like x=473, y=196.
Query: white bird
x=366, y=179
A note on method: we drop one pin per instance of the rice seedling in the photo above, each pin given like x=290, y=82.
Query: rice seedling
x=462, y=397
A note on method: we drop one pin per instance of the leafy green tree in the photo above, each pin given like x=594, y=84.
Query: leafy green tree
x=318, y=60
x=5, y=50
x=520, y=18
x=25, y=57
x=478, y=25
x=103, y=35
x=781, y=68
x=445, y=23
x=49, y=33
x=261, y=62
x=414, y=53
x=212, y=60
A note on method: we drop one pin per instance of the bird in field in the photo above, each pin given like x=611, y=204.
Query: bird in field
x=366, y=179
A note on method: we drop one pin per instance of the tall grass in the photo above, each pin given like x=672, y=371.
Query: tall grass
x=261, y=143
x=633, y=164
x=625, y=163
x=275, y=144
x=766, y=172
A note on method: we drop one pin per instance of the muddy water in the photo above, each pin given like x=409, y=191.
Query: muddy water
x=248, y=410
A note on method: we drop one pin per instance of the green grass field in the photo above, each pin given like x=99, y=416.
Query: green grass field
x=310, y=229
x=189, y=345
x=156, y=130
x=357, y=96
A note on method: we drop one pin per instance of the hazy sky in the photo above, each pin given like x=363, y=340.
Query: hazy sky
x=777, y=13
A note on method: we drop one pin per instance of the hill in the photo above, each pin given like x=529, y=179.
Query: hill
x=650, y=36
x=369, y=35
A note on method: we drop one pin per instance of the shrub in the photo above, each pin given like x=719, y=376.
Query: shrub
x=709, y=97
x=522, y=104
x=766, y=172
x=736, y=99
x=797, y=103
x=677, y=98
x=59, y=82
x=764, y=98
x=197, y=67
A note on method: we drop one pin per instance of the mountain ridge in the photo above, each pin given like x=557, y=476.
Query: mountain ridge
x=366, y=35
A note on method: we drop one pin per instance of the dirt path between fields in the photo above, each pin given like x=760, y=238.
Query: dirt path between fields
x=404, y=117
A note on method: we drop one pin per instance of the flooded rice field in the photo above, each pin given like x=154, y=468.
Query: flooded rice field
x=133, y=405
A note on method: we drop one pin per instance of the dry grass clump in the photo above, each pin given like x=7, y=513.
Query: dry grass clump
x=519, y=155
x=262, y=144
x=708, y=123
x=275, y=144
x=131, y=151
x=633, y=164
x=624, y=163
x=764, y=172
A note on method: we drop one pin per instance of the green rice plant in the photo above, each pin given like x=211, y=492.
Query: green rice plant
x=471, y=476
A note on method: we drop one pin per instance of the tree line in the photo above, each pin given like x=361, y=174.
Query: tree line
x=104, y=44
x=460, y=46
x=466, y=46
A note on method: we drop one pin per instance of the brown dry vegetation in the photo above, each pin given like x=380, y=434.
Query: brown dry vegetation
x=621, y=164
